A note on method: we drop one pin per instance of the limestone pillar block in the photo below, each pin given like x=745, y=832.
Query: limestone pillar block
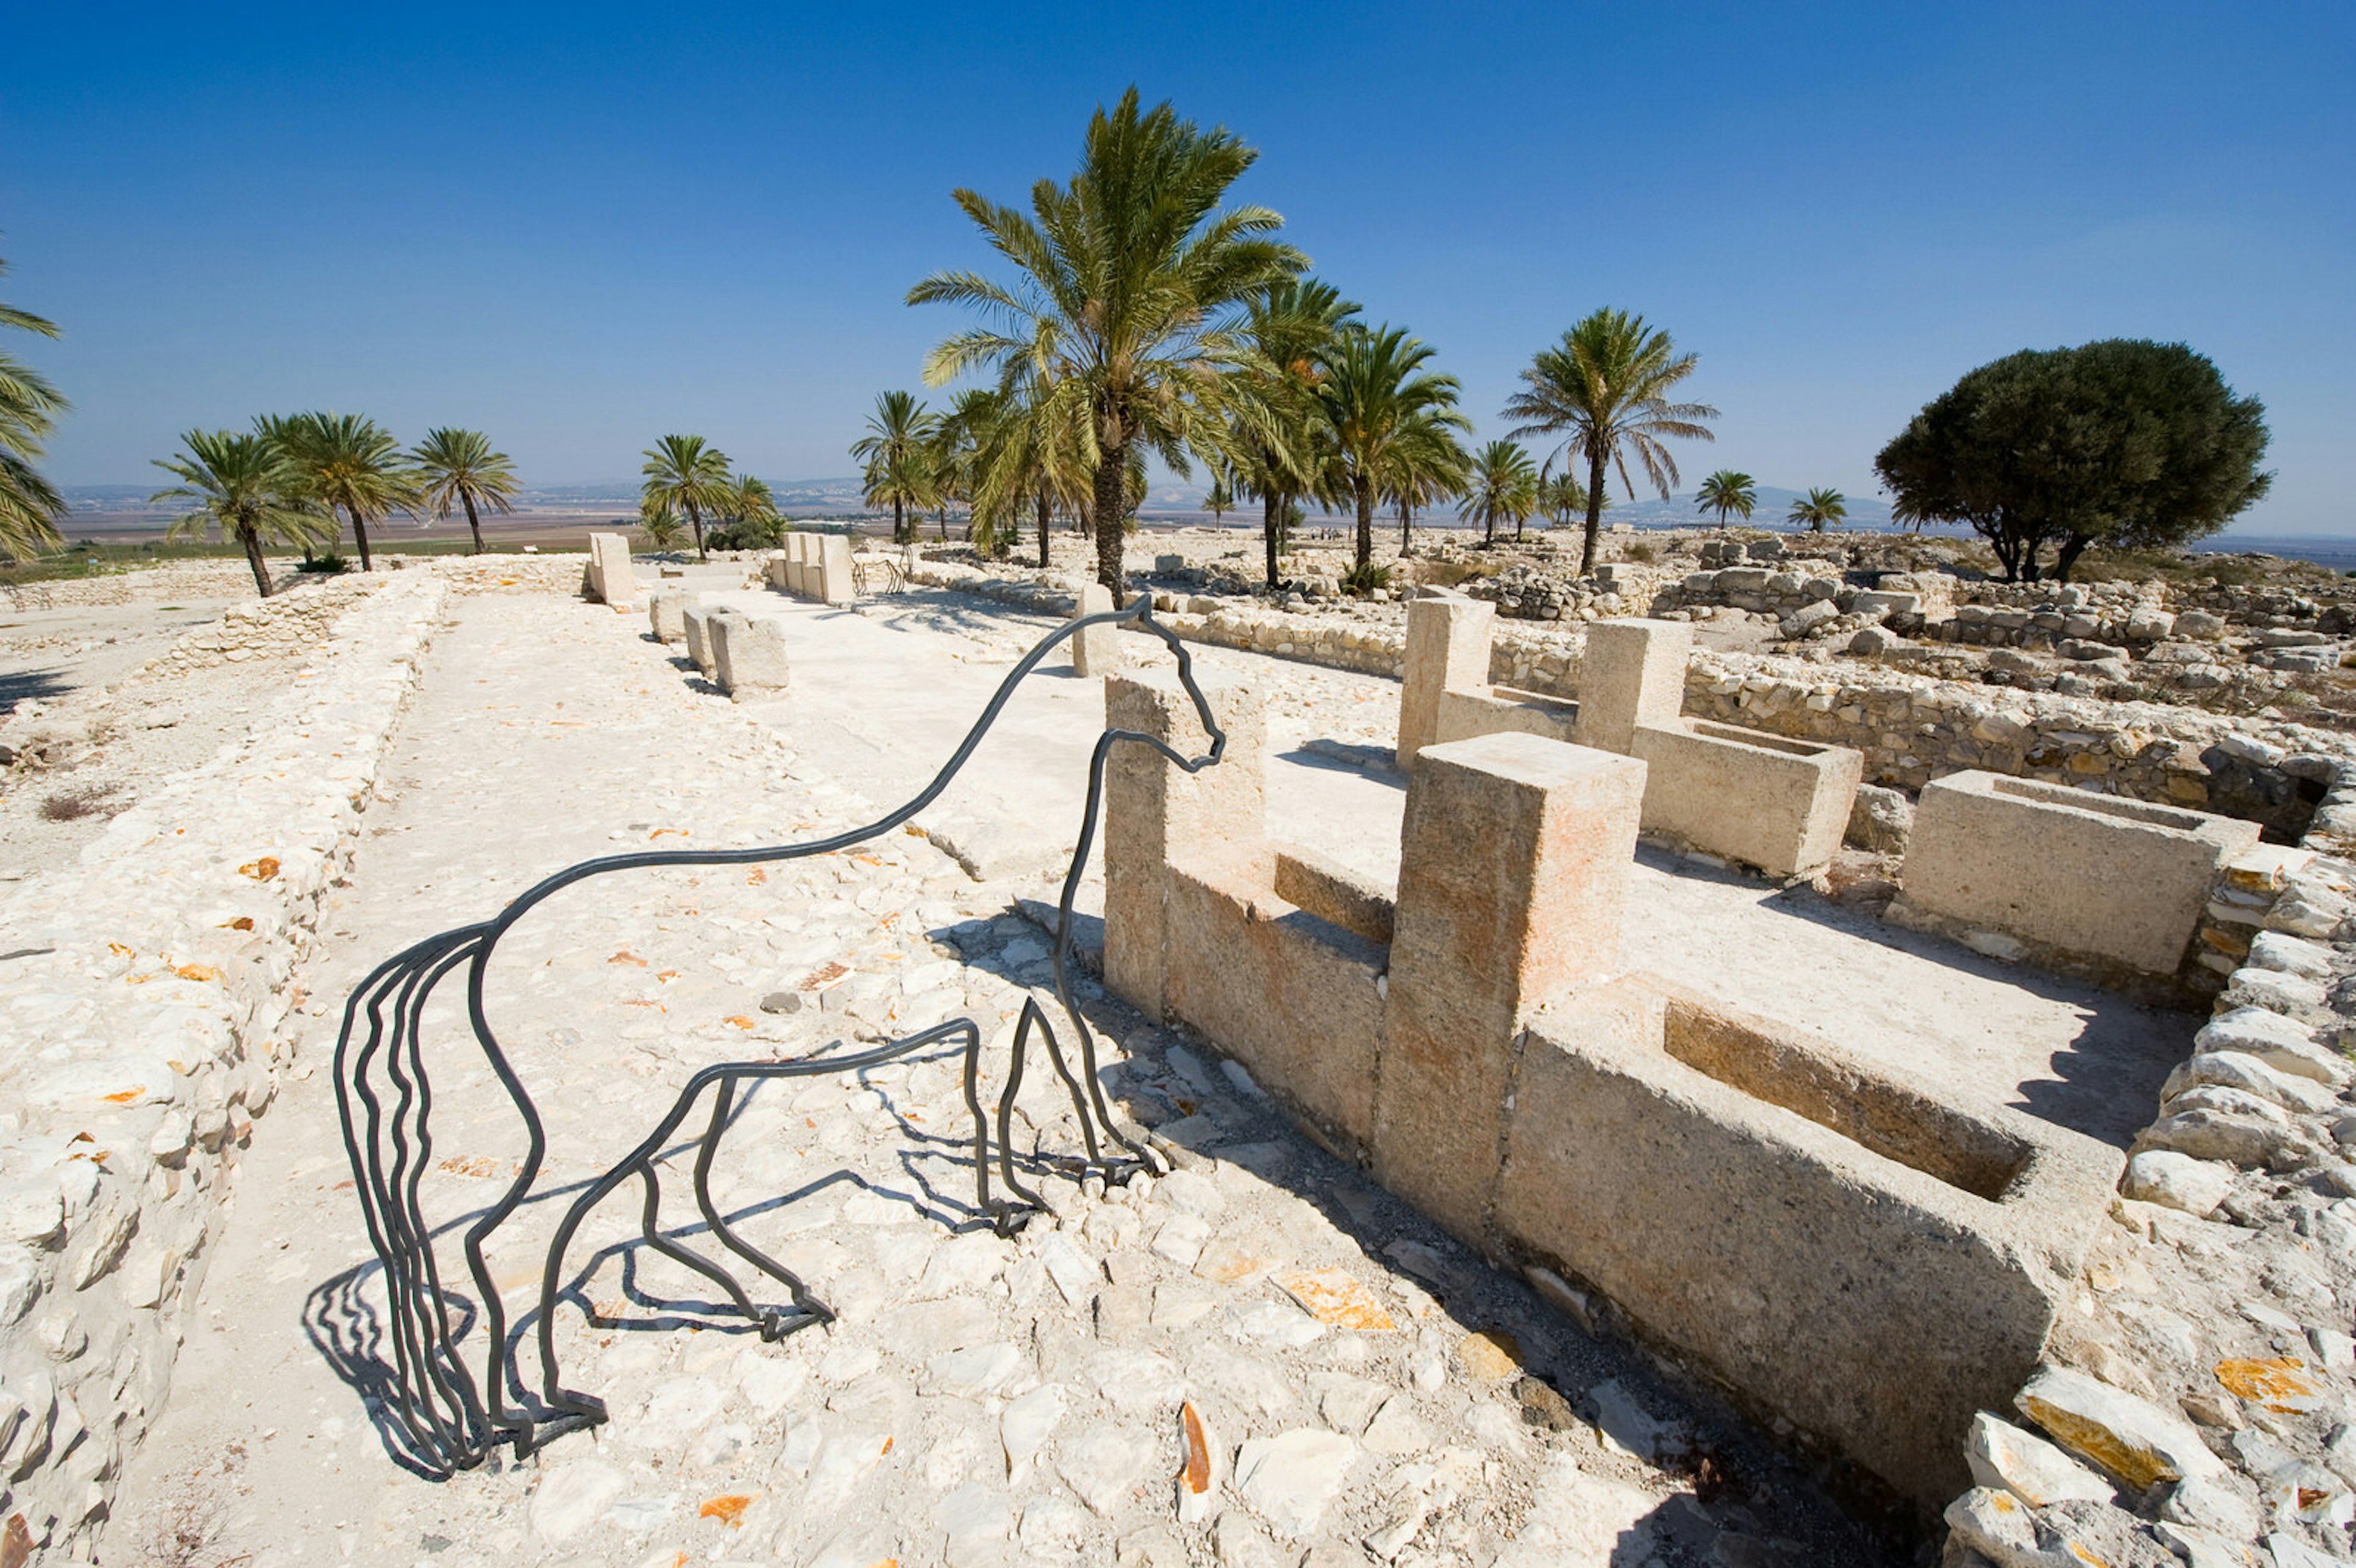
x=1513, y=874
x=1155, y=811
x=1447, y=648
x=1097, y=650
x=748, y=653
x=798, y=565
x=1633, y=673
x=666, y=613
x=695, y=626
x=610, y=577
x=832, y=570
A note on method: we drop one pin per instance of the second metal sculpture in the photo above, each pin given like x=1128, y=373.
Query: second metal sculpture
x=384, y=1094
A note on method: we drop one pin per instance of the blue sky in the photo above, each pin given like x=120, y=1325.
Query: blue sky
x=578, y=228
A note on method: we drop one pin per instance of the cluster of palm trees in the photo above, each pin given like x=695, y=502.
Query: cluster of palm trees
x=1142, y=315
x=685, y=474
x=294, y=480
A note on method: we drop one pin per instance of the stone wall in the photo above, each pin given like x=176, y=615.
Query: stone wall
x=289, y=622
x=145, y=989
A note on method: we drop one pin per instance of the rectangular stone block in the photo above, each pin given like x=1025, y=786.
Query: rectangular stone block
x=1157, y=814
x=611, y=580
x=1095, y=651
x=1633, y=673
x=2084, y=873
x=1512, y=875
x=1495, y=710
x=1447, y=650
x=827, y=576
x=748, y=654
x=695, y=626
x=1878, y=603
x=666, y=613
x=1835, y=1243
x=798, y=565
x=1777, y=804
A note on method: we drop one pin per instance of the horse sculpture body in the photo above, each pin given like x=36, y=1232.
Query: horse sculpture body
x=384, y=1096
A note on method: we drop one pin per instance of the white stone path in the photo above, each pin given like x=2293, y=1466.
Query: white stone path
x=980, y=1402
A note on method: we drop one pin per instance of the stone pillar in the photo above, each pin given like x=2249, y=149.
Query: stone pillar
x=748, y=654
x=1513, y=867
x=798, y=565
x=610, y=577
x=1155, y=811
x=1447, y=648
x=1095, y=651
x=833, y=571
x=1633, y=673
x=695, y=624
x=666, y=613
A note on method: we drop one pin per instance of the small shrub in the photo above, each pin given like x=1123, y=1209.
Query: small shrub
x=1363, y=579
x=330, y=563
x=72, y=805
x=1643, y=552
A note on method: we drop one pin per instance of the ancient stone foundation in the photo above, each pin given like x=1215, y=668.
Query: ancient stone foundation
x=815, y=567
x=1837, y=1245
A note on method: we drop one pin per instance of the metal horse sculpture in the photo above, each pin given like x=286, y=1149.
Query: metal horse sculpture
x=450, y=1421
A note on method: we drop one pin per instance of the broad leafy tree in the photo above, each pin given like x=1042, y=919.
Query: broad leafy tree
x=1502, y=487
x=243, y=486
x=1819, y=509
x=1730, y=495
x=460, y=469
x=346, y=462
x=2124, y=442
x=895, y=458
x=1377, y=398
x=1123, y=312
x=31, y=505
x=1605, y=389
x=684, y=474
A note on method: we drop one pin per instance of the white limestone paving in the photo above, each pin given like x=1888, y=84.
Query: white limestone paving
x=1369, y=1391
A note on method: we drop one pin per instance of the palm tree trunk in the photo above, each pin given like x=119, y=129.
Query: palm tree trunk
x=899, y=522
x=253, y=543
x=1112, y=503
x=1594, y=509
x=697, y=518
x=1407, y=525
x=1046, y=519
x=474, y=524
x=1365, y=488
x=360, y=536
x=1271, y=527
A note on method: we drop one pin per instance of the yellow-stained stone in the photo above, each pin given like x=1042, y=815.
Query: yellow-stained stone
x=1336, y=1297
x=1490, y=1356
x=1225, y=1262
x=2274, y=1383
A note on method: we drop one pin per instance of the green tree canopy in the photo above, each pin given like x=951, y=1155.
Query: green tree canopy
x=345, y=462
x=29, y=504
x=1278, y=424
x=1502, y=487
x=896, y=456
x=1728, y=494
x=2124, y=442
x=1122, y=314
x=682, y=473
x=460, y=469
x=244, y=486
x=1819, y=508
x=1605, y=389
x=1380, y=403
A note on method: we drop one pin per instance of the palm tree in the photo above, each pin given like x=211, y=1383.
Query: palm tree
x=1728, y=493
x=29, y=504
x=752, y=507
x=1376, y=395
x=1818, y=508
x=957, y=452
x=1427, y=466
x=1563, y=497
x=1219, y=499
x=1279, y=422
x=348, y=461
x=683, y=473
x=244, y=486
x=895, y=452
x=1122, y=318
x=1503, y=485
x=460, y=468
x=660, y=527
x=1604, y=387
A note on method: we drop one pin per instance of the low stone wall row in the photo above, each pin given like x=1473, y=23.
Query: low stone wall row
x=145, y=989
x=301, y=617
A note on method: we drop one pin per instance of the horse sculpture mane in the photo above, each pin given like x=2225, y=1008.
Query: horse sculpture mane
x=451, y=1422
